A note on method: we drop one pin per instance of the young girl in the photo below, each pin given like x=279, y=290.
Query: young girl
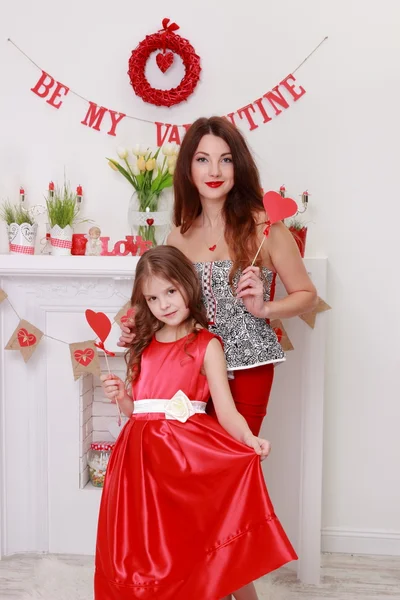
x=185, y=513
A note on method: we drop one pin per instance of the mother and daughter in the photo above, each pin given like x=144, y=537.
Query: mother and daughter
x=185, y=514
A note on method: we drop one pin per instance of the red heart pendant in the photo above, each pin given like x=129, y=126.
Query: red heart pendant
x=164, y=61
x=278, y=208
x=99, y=322
x=84, y=357
x=213, y=248
x=150, y=222
x=25, y=338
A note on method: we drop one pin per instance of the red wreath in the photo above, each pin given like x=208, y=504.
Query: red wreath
x=166, y=38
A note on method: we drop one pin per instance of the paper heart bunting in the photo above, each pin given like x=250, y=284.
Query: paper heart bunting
x=282, y=335
x=311, y=317
x=3, y=295
x=84, y=359
x=278, y=208
x=25, y=338
x=125, y=316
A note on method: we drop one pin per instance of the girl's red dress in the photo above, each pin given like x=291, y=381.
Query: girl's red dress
x=185, y=513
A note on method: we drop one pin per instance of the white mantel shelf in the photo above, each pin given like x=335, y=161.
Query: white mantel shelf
x=62, y=266
x=81, y=266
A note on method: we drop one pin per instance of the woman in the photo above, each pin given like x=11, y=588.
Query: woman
x=219, y=220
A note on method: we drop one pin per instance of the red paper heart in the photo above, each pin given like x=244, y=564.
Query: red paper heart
x=129, y=316
x=150, y=222
x=278, y=208
x=99, y=322
x=164, y=61
x=84, y=357
x=25, y=338
x=279, y=333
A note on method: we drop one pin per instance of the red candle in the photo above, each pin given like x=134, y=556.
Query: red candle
x=51, y=186
x=282, y=191
x=79, y=190
x=304, y=198
x=21, y=194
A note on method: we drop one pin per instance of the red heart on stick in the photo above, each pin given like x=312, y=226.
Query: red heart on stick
x=25, y=338
x=164, y=61
x=84, y=357
x=99, y=322
x=278, y=208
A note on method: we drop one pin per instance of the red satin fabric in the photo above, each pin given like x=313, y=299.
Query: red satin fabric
x=185, y=513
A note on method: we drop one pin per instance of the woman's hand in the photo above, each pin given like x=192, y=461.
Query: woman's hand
x=251, y=290
x=260, y=446
x=126, y=338
x=114, y=387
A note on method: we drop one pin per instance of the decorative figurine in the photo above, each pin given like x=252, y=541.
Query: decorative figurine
x=93, y=246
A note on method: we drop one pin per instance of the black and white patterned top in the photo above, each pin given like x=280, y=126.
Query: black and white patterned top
x=248, y=340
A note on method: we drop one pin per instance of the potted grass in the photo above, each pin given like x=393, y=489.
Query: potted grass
x=62, y=210
x=21, y=228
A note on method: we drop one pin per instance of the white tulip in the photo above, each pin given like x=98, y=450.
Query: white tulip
x=171, y=170
x=175, y=149
x=122, y=152
x=171, y=160
x=167, y=150
x=136, y=150
x=134, y=168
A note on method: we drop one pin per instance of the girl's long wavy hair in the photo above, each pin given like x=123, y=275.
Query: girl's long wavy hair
x=243, y=202
x=170, y=264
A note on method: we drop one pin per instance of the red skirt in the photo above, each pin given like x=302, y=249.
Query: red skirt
x=185, y=514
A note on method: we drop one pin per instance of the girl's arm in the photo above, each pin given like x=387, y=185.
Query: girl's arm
x=228, y=416
x=114, y=389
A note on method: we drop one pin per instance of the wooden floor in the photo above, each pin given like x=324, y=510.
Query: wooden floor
x=344, y=577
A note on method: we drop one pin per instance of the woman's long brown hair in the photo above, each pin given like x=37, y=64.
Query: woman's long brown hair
x=244, y=201
x=170, y=264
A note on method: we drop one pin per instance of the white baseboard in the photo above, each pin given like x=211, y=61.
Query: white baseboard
x=358, y=541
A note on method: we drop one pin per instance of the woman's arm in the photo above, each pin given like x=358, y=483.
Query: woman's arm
x=228, y=416
x=283, y=253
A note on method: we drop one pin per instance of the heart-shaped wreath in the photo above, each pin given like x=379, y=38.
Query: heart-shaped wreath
x=164, y=39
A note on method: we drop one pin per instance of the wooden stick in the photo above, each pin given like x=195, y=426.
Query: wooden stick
x=116, y=401
x=258, y=251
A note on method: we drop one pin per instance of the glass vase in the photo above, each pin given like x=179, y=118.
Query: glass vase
x=149, y=216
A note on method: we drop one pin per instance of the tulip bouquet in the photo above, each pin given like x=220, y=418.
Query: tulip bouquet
x=149, y=176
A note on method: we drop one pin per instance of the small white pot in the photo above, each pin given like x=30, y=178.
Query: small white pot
x=61, y=240
x=21, y=238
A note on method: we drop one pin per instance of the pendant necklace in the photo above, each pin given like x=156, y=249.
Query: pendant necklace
x=213, y=247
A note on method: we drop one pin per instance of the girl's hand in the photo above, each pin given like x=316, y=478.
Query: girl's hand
x=260, y=446
x=126, y=338
x=114, y=387
x=251, y=289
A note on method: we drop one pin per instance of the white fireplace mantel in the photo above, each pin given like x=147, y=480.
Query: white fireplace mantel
x=42, y=506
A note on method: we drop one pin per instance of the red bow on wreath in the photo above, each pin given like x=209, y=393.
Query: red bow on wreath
x=171, y=28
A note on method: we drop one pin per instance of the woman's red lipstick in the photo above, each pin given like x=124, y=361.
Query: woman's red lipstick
x=214, y=184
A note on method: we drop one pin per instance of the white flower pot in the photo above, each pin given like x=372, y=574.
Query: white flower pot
x=22, y=238
x=61, y=240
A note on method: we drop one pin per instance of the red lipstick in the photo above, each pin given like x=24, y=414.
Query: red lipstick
x=214, y=184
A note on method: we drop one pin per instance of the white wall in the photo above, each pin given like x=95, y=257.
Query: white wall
x=340, y=140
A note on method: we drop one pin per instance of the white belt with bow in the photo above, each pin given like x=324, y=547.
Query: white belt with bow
x=178, y=408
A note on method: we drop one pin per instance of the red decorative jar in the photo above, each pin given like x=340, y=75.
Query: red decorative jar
x=79, y=241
